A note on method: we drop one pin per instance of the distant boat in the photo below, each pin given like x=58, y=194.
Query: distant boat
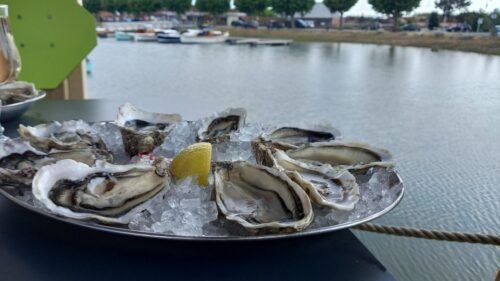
x=168, y=36
x=196, y=36
x=123, y=36
x=144, y=37
x=102, y=32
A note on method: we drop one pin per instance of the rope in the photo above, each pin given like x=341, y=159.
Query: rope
x=431, y=234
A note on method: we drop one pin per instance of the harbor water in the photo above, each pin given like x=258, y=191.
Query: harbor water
x=437, y=112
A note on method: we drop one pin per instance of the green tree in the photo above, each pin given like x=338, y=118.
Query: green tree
x=137, y=7
x=290, y=7
x=471, y=18
x=178, y=6
x=394, y=8
x=252, y=7
x=214, y=7
x=433, y=21
x=93, y=6
x=448, y=6
x=340, y=6
x=118, y=6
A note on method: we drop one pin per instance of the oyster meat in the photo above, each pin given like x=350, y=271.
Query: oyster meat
x=261, y=198
x=105, y=192
x=73, y=134
x=143, y=131
x=17, y=91
x=217, y=127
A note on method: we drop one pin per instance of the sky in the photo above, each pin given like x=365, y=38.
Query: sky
x=363, y=8
x=426, y=6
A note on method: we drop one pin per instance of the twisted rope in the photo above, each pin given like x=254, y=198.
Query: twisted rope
x=431, y=234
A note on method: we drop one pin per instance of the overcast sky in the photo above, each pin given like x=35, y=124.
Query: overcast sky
x=363, y=8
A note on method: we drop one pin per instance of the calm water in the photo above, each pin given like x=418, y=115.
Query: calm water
x=438, y=112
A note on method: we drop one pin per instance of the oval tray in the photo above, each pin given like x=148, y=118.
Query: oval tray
x=15, y=110
x=126, y=231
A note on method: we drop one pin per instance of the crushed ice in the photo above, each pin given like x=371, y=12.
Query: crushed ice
x=184, y=209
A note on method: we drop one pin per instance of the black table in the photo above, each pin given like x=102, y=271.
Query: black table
x=33, y=247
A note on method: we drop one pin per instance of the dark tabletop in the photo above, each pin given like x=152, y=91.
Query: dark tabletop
x=34, y=247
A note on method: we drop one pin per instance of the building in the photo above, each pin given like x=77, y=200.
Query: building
x=233, y=16
x=319, y=16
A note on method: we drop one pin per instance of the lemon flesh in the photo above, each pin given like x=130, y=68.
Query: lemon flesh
x=193, y=161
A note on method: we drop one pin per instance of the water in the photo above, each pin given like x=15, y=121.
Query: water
x=438, y=112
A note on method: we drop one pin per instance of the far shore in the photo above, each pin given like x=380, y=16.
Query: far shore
x=469, y=42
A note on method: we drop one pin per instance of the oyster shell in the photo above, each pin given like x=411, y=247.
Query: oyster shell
x=143, y=131
x=105, y=192
x=19, y=161
x=261, y=198
x=73, y=134
x=293, y=137
x=353, y=156
x=217, y=127
x=17, y=91
x=332, y=187
x=325, y=169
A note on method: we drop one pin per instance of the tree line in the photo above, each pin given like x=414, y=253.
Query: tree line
x=288, y=8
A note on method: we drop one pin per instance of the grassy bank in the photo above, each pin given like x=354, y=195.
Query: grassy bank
x=435, y=41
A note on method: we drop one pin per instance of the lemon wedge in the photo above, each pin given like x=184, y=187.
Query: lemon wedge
x=193, y=161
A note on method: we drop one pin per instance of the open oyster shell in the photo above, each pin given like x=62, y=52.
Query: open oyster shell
x=351, y=155
x=16, y=91
x=290, y=137
x=261, y=198
x=332, y=187
x=143, y=131
x=105, y=192
x=68, y=135
x=217, y=127
x=19, y=161
x=325, y=170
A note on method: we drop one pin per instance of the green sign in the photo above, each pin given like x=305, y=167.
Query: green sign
x=53, y=37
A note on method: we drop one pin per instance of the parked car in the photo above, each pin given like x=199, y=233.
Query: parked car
x=299, y=23
x=498, y=28
x=461, y=27
x=374, y=25
x=245, y=24
x=275, y=24
x=410, y=27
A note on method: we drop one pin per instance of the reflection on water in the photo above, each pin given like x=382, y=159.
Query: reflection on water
x=438, y=112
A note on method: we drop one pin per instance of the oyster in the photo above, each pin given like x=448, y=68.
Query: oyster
x=17, y=91
x=217, y=127
x=261, y=198
x=19, y=161
x=332, y=187
x=73, y=134
x=293, y=137
x=105, y=192
x=326, y=170
x=143, y=131
x=353, y=156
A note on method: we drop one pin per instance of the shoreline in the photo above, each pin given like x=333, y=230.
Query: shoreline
x=435, y=41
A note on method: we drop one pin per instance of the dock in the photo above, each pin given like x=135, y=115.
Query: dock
x=259, y=42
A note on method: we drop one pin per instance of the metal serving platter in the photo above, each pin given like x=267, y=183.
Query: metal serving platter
x=125, y=231
x=15, y=110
